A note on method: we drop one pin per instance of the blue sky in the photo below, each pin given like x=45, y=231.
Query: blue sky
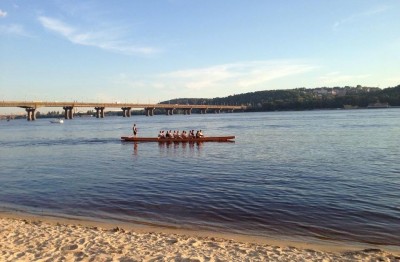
x=150, y=51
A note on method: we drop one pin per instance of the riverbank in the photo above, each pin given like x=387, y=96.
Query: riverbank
x=30, y=238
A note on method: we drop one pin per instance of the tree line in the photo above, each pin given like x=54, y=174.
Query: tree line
x=305, y=99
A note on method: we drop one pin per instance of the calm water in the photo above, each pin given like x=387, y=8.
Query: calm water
x=320, y=174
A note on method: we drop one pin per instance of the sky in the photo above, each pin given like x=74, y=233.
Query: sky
x=152, y=51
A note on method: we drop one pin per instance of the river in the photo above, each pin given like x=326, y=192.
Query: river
x=331, y=174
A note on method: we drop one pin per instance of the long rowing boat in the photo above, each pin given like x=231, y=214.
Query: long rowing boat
x=163, y=140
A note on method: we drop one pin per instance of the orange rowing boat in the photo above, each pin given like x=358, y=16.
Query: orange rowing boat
x=163, y=140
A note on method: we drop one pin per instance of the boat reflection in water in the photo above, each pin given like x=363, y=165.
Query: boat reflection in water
x=176, y=143
x=172, y=148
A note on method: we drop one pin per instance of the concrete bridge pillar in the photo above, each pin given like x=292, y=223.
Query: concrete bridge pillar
x=126, y=111
x=149, y=111
x=169, y=111
x=71, y=113
x=65, y=112
x=187, y=111
x=66, y=115
x=68, y=112
x=99, y=112
x=203, y=111
x=30, y=114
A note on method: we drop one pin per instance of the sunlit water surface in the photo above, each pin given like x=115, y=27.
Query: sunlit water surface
x=320, y=174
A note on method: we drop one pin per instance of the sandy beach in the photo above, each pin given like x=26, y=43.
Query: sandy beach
x=38, y=239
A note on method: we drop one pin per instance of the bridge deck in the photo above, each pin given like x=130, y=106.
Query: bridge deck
x=38, y=104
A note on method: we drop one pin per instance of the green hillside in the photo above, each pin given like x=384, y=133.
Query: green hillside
x=305, y=99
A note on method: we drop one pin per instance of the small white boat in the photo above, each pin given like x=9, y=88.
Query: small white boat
x=57, y=121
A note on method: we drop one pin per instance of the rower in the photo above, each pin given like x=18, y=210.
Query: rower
x=184, y=134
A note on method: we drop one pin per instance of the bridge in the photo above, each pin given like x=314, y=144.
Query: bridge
x=31, y=107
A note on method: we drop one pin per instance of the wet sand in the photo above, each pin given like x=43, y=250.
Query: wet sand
x=30, y=238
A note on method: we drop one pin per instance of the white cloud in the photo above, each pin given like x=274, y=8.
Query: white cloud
x=217, y=80
x=363, y=15
x=245, y=75
x=107, y=40
x=3, y=13
x=337, y=78
x=14, y=29
x=57, y=26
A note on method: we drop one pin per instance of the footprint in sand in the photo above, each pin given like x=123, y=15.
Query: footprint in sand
x=171, y=241
x=70, y=247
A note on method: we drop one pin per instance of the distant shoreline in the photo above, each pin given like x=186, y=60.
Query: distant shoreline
x=118, y=114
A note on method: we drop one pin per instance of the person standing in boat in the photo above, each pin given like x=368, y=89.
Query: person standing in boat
x=134, y=129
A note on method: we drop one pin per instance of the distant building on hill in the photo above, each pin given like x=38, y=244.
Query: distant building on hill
x=339, y=92
x=378, y=105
